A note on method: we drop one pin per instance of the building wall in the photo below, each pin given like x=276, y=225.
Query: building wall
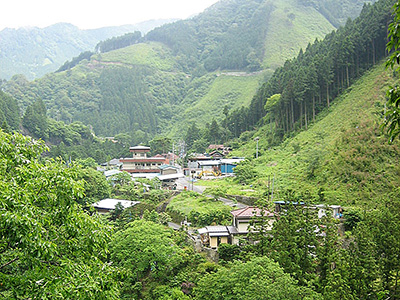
x=168, y=171
x=140, y=166
x=224, y=240
x=235, y=240
x=242, y=226
x=227, y=168
x=213, y=242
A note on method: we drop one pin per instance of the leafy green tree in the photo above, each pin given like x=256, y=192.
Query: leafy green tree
x=245, y=172
x=145, y=249
x=294, y=244
x=47, y=243
x=192, y=134
x=260, y=278
x=385, y=228
x=9, y=111
x=392, y=117
x=96, y=186
x=228, y=252
x=160, y=144
x=35, y=120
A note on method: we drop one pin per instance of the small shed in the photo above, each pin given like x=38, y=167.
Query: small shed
x=213, y=236
x=210, y=165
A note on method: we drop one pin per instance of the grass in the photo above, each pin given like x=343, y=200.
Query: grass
x=207, y=101
x=148, y=54
x=342, y=158
x=187, y=202
x=227, y=186
x=303, y=25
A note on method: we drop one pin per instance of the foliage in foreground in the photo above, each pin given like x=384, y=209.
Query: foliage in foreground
x=50, y=248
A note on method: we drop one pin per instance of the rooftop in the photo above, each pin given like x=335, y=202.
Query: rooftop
x=139, y=149
x=111, y=203
x=250, y=211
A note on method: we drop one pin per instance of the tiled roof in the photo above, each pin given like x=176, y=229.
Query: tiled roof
x=249, y=212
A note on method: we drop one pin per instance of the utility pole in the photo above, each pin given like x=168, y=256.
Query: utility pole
x=256, y=139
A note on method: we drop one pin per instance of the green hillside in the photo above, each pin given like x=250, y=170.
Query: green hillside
x=222, y=91
x=35, y=52
x=154, y=55
x=343, y=157
x=194, y=70
x=294, y=26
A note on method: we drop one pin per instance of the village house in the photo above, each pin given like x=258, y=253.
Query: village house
x=213, y=236
x=244, y=217
x=140, y=163
x=168, y=176
x=228, y=164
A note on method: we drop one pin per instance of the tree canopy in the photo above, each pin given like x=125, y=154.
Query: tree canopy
x=392, y=117
x=50, y=248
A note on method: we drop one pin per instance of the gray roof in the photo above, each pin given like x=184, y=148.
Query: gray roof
x=140, y=148
x=209, y=163
x=231, y=161
x=217, y=228
x=111, y=203
x=170, y=176
x=109, y=173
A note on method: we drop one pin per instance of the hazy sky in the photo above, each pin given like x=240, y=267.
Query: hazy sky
x=95, y=13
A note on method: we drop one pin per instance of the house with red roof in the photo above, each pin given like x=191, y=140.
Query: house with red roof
x=243, y=219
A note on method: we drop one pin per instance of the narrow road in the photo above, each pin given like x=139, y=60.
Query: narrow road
x=232, y=203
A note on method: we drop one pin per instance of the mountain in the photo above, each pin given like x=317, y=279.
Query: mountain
x=36, y=51
x=190, y=71
x=342, y=158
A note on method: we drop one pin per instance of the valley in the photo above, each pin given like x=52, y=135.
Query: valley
x=248, y=152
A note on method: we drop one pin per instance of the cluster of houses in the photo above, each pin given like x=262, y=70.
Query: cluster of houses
x=243, y=221
x=142, y=166
x=162, y=166
x=213, y=163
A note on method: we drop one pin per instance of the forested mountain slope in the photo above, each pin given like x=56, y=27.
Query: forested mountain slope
x=182, y=72
x=343, y=157
x=36, y=51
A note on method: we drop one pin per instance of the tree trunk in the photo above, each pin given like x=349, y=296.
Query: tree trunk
x=313, y=108
x=301, y=115
x=327, y=94
x=305, y=114
x=291, y=104
x=373, y=52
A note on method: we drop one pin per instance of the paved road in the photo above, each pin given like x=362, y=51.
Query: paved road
x=182, y=182
x=232, y=203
